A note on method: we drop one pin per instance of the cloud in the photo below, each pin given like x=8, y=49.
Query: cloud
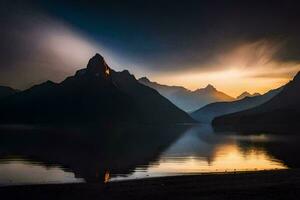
x=36, y=48
x=251, y=59
x=229, y=41
x=247, y=66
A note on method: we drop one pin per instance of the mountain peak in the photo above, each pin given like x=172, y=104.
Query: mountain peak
x=210, y=87
x=243, y=95
x=144, y=79
x=247, y=94
x=91, y=96
x=98, y=66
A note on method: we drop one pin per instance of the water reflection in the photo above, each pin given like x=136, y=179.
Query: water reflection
x=89, y=152
x=115, y=153
x=227, y=157
x=106, y=176
x=21, y=171
x=200, y=150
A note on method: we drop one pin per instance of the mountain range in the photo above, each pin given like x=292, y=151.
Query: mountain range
x=95, y=94
x=283, y=110
x=207, y=113
x=185, y=99
x=247, y=94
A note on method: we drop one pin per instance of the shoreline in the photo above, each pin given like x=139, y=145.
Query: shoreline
x=173, y=175
x=279, y=184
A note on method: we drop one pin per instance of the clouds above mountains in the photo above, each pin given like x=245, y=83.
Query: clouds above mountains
x=201, y=41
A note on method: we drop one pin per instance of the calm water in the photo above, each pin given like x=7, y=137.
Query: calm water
x=200, y=150
x=134, y=154
x=17, y=171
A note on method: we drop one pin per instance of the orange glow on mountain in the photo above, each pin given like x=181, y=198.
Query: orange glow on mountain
x=106, y=176
x=107, y=72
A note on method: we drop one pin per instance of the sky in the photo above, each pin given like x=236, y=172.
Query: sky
x=236, y=46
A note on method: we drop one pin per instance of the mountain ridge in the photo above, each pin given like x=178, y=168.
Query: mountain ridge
x=207, y=113
x=283, y=110
x=247, y=94
x=95, y=94
x=6, y=91
x=186, y=99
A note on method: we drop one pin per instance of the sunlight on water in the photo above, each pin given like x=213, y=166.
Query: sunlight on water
x=226, y=158
x=197, y=150
x=206, y=152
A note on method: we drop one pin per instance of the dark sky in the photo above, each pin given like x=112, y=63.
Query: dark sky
x=152, y=31
x=148, y=37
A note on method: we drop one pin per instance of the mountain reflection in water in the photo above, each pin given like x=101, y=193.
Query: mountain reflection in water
x=201, y=150
x=129, y=152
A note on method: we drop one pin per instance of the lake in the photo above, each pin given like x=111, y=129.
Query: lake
x=39, y=156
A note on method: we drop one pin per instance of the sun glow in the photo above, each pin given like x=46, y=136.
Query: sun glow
x=248, y=67
x=227, y=158
x=232, y=82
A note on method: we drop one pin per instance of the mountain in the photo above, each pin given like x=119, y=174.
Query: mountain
x=207, y=113
x=6, y=91
x=95, y=94
x=185, y=99
x=283, y=110
x=247, y=94
x=90, y=151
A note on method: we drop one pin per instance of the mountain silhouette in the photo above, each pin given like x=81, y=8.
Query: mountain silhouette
x=95, y=94
x=247, y=94
x=283, y=110
x=207, y=113
x=185, y=99
x=88, y=151
x=6, y=91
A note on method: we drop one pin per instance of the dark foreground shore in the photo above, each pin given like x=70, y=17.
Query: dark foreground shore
x=284, y=184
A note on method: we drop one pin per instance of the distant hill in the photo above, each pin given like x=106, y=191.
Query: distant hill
x=283, y=110
x=6, y=91
x=185, y=99
x=96, y=94
x=247, y=94
x=207, y=113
